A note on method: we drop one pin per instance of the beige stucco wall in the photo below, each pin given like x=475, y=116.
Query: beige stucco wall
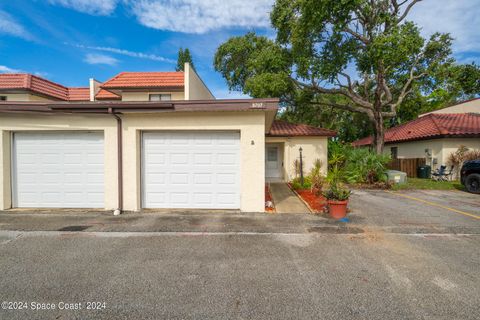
x=440, y=149
x=144, y=96
x=466, y=107
x=312, y=148
x=249, y=124
x=195, y=88
x=452, y=145
x=11, y=123
x=23, y=97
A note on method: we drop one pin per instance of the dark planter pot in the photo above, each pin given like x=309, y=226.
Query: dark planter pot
x=337, y=209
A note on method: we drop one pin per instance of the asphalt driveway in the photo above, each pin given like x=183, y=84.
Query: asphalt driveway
x=416, y=211
x=249, y=276
x=392, y=212
x=409, y=255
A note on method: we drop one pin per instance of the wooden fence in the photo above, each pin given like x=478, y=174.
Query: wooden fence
x=407, y=165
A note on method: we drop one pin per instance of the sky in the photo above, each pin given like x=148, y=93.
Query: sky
x=70, y=41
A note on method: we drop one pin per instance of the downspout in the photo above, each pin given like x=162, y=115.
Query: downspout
x=117, y=211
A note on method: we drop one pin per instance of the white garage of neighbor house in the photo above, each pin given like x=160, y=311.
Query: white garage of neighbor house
x=209, y=154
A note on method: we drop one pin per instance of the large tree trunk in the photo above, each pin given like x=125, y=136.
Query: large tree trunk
x=379, y=133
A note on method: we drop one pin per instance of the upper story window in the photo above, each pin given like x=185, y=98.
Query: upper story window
x=160, y=97
x=3, y=98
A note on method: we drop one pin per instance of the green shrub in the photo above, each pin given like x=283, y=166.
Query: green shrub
x=297, y=185
x=365, y=166
x=356, y=165
x=337, y=192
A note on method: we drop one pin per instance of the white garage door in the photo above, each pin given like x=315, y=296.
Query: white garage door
x=58, y=170
x=191, y=170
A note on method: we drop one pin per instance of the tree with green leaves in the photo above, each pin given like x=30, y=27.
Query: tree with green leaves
x=452, y=83
x=364, y=53
x=183, y=57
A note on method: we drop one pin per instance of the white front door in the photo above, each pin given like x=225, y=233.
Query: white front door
x=273, y=163
x=58, y=170
x=191, y=169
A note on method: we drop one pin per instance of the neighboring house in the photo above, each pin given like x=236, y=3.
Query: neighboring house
x=142, y=140
x=468, y=106
x=126, y=86
x=433, y=136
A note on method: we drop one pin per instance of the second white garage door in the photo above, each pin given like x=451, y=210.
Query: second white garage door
x=191, y=170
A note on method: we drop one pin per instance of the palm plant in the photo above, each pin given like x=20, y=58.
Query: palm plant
x=316, y=177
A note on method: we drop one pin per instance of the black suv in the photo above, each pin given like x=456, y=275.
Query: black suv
x=470, y=175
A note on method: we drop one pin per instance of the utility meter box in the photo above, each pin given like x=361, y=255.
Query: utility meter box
x=396, y=176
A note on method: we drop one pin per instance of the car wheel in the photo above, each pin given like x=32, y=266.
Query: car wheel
x=472, y=183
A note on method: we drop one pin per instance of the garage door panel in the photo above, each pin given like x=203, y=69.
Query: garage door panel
x=202, y=178
x=196, y=170
x=58, y=169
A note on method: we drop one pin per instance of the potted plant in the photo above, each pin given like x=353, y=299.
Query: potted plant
x=337, y=200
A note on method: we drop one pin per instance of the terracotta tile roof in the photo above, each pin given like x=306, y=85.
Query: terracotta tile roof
x=79, y=94
x=107, y=95
x=286, y=129
x=145, y=80
x=48, y=88
x=13, y=81
x=35, y=84
x=433, y=125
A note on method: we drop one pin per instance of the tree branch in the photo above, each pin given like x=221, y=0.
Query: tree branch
x=342, y=91
x=407, y=10
x=387, y=91
x=356, y=35
x=353, y=95
x=346, y=107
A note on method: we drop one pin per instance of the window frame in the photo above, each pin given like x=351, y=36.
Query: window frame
x=394, y=153
x=160, y=97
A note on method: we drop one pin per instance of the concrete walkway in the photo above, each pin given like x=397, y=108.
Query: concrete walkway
x=285, y=200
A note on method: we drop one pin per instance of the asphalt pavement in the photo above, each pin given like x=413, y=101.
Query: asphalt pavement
x=249, y=276
x=409, y=255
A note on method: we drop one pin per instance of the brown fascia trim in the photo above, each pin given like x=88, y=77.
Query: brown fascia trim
x=332, y=134
x=133, y=107
x=302, y=136
x=142, y=89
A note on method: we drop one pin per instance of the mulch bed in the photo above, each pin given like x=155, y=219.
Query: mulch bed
x=268, y=197
x=315, y=202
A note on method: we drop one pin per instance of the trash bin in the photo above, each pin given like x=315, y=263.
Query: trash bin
x=424, y=172
x=396, y=176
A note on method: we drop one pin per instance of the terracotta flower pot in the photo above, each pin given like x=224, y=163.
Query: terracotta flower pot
x=337, y=209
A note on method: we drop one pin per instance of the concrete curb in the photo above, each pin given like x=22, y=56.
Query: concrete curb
x=15, y=235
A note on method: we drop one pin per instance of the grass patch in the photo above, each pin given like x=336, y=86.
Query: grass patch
x=428, y=184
